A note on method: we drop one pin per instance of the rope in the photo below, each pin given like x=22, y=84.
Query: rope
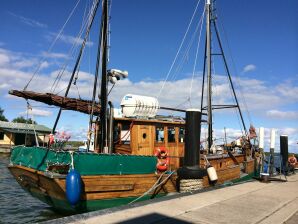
x=207, y=161
x=71, y=157
x=236, y=73
x=185, y=56
x=189, y=185
x=52, y=45
x=179, y=49
x=73, y=49
x=155, y=186
x=196, y=57
x=29, y=107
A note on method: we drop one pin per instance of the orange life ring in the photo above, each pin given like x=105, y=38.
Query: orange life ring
x=162, y=164
x=163, y=159
x=292, y=160
x=161, y=152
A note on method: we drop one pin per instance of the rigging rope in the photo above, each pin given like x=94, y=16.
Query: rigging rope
x=52, y=45
x=70, y=53
x=196, y=57
x=73, y=49
x=236, y=74
x=185, y=56
x=167, y=76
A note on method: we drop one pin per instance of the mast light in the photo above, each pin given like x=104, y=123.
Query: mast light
x=116, y=74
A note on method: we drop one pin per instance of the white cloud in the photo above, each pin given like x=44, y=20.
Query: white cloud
x=291, y=115
x=288, y=90
x=4, y=59
x=4, y=86
x=54, y=55
x=44, y=64
x=26, y=63
x=288, y=131
x=28, y=21
x=70, y=39
x=249, y=68
x=37, y=113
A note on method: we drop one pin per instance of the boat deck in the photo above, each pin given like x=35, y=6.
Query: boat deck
x=251, y=202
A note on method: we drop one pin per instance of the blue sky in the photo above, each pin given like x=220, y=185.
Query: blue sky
x=260, y=39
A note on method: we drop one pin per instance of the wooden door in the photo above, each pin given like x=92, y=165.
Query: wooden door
x=145, y=140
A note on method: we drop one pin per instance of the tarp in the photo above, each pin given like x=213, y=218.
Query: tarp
x=84, y=106
x=40, y=158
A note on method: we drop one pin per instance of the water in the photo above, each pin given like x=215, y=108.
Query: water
x=16, y=205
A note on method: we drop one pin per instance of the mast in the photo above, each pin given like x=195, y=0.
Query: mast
x=103, y=96
x=209, y=78
x=211, y=20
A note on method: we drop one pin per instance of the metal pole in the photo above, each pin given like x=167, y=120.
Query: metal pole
x=103, y=95
x=203, y=81
x=228, y=72
x=209, y=81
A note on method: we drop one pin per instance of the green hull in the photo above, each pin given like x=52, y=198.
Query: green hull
x=62, y=206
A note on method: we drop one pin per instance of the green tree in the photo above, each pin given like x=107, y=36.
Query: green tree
x=2, y=117
x=21, y=119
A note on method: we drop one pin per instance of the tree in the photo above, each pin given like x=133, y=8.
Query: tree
x=21, y=119
x=2, y=117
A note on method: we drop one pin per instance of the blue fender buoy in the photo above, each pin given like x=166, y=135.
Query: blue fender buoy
x=73, y=187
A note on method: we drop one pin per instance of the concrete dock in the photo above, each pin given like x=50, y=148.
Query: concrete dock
x=250, y=202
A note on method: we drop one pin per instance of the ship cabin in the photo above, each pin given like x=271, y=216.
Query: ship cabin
x=137, y=136
x=145, y=136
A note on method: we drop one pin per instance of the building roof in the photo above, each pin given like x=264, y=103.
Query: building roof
x=23, y=128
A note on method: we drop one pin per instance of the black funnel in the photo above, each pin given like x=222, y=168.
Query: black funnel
x=192, y=138
x=284, y=152
x=191, y=164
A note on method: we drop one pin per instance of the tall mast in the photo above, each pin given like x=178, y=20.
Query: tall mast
x=211, y=20
x=209, y=78
x=103, y=96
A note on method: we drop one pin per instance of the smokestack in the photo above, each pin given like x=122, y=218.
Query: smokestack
x=284, y=152
x=192, y=137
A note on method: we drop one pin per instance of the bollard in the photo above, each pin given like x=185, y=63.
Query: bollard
x=190, y=175
x=192, y=137
x=284, y=153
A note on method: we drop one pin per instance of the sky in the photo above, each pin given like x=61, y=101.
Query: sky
x=259, y=38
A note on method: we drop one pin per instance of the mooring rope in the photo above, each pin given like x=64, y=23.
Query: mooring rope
x=155, y=186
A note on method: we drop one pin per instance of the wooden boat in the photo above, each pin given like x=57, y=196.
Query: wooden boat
x=135, y=157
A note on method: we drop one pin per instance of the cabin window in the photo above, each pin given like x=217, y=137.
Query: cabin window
x=116, y=133
x=181, y=134
x=159, y=134
x=125, y=133
x=171, y=134
x=1, y=135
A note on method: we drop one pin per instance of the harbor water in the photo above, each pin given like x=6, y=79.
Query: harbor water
x=16, y=205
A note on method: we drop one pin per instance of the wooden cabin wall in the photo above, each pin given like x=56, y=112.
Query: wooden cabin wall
x=143, y=141
x=119, y=145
